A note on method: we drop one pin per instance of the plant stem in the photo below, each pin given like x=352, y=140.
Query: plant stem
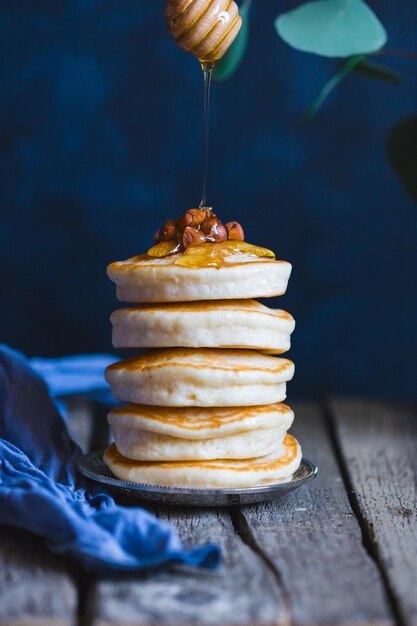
x=346, y=69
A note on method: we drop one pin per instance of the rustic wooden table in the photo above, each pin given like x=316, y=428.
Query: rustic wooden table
x=340, y=551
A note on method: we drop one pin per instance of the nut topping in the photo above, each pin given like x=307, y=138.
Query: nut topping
x=194, y=227
x=235, y=231
x=192, y=217
x=192, y=237
x=214, y=229
x=168, y=230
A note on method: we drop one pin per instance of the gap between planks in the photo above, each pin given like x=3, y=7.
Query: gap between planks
x=376, y=444
x=367, y=538
x=313, y=541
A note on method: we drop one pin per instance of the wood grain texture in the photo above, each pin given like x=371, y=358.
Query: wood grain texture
x=241, y=592
x=313, y=540
x=378, y=443
x=35, y=586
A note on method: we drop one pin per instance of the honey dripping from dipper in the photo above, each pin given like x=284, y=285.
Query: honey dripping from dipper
x=206, y=29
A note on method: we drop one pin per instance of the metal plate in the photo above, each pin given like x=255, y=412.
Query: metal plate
x=92, y=466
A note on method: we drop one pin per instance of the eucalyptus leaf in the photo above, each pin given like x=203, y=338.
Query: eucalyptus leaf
x=378, y=70
x=402, y=153
x=332, y=28
x=228, y=65
x=350, y=65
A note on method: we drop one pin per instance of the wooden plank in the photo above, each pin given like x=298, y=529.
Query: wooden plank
x=313, y=540
x=35, y=586
x=378, y=443
x=241, y=592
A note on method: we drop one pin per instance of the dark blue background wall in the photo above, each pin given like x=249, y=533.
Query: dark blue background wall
x=101, y=140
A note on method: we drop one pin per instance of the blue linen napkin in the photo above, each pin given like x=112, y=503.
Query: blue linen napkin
x=41, y=491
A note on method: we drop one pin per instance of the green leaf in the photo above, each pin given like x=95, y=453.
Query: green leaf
x=344, y=71
x=228, y=65
x=332, y=28
x=378, y=70
x=402, y=153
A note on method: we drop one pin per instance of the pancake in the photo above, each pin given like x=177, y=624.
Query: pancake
x=200, y=377
x=143, y=445
x=205, y=324
x=273, y=468
x=195, y=423
x=148, y=279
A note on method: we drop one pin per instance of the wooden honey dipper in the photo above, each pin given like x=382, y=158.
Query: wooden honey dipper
x=206, y=28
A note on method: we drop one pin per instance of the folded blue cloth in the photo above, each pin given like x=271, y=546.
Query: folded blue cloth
x=41, y=491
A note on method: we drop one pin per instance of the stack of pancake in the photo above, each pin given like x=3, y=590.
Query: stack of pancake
x=206, y=397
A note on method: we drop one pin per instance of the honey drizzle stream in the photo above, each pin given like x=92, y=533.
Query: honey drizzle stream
x=207, y=68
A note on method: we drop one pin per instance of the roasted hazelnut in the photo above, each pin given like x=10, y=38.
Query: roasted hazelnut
x=214, y=229
x=208, y=224
x=235, y=231
x=168, y=230
x=192, y=217
x=192, y=237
